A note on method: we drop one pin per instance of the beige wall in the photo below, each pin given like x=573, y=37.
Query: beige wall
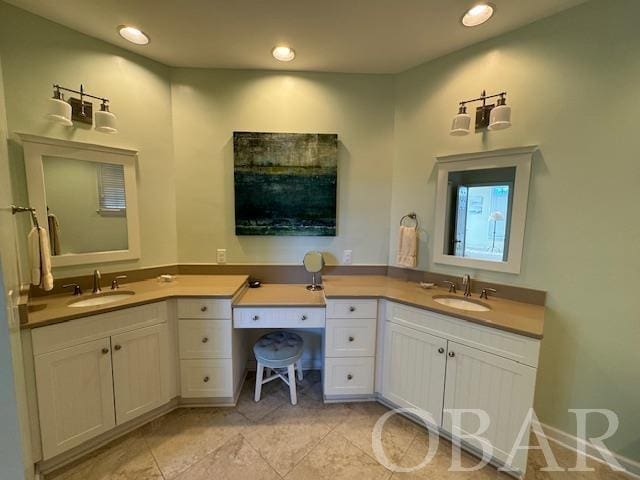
x=572, y=81
x=37, y=53
x=209, y=105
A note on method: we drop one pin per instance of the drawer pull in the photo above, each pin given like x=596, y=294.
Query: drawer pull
x=105, y=350
x=352, y=308
x=255, y=318
x=303, y=318
x=351, y=339
x=441, y=350
x=349, y=377
x=203, y=308
x=452, y=354
x=205, y=340
x=205, y=379
x=117, y=347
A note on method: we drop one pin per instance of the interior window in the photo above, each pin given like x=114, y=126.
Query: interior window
x=111, y=193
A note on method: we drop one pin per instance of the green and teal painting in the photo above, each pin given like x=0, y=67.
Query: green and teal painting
x=285, y=183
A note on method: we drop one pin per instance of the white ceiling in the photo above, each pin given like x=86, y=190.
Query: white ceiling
x=358, y=36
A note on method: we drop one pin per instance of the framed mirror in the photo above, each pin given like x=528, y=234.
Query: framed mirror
x=85, y=195
x=481, y=209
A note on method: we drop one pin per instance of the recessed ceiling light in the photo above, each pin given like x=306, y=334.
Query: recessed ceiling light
x=133, y=34
x=284, y=54
x=478, y=15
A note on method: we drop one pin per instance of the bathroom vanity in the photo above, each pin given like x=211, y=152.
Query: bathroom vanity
x=99, y=371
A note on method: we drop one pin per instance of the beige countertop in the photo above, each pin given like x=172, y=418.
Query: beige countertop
x=522, y=318
x=280, y=295
x=51, y=309
x=517, y=317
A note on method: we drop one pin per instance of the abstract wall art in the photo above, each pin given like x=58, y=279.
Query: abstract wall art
x=285, y=183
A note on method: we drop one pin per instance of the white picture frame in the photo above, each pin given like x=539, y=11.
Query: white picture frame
x=520, y=158
x=37, y=147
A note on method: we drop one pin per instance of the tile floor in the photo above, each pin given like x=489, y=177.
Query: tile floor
x=274, y=440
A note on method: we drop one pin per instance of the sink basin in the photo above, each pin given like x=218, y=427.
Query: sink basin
x=101, y=299
x=462, y=303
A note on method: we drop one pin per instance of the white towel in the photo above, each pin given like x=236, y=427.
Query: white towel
x=407, y=247
x=40, y=258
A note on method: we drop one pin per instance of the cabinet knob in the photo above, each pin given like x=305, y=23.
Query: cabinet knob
x=205, y=379
x=203, y=308
x=105, y=350
x=255, y=318
x=441, y=350
x=205, y=340
x=349, y=377
x=303, y=318
x=351, y=339
x=117, y=347
x=352, y=309
x=452, y=354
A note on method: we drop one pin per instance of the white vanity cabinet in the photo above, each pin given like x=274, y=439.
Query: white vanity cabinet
x=350, y=347
x=438, y=363
x=100, y=371
x=212, y=353
x=75, y=395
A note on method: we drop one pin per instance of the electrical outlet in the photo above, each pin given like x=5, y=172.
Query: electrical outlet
x=221, y=255
x=346, y=257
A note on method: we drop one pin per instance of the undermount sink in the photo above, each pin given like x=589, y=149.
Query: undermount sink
x=462, y=303
x=101, y=299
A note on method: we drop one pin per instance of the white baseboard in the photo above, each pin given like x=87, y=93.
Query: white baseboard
x=570, y=441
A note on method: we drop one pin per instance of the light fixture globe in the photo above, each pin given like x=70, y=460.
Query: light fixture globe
x=461, y=123
x=133, y=35
x=478, y=14
x=283, y=53
x=500, y=117
x=105, y=121
x=58, y=110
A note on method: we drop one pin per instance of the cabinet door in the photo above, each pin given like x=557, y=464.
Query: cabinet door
x=75, y=395
x=140, y=371
x=499, y=386
x=414, y=368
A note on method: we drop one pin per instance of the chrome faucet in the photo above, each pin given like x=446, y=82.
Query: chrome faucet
x=96, y=281
x=466, y=281
x=451, y=285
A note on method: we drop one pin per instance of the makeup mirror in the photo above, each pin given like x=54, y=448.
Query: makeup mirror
x=313, y=263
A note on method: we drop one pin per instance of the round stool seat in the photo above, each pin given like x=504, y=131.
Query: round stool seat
x=278, y=349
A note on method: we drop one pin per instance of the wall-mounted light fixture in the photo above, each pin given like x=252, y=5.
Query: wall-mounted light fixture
x=493, y=117
x=80, y=110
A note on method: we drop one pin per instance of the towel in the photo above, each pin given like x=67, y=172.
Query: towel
x=407, y=247
x=54, y=234
x=40, y=258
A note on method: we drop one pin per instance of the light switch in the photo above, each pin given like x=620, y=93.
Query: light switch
x=221, y=255
x=346, y=257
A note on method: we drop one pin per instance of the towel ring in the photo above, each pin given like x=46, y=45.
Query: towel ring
x=412, y=216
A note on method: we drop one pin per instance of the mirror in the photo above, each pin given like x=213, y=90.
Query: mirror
x=481, y=209
x=86, y=206
x=313, y=263
x=85, y=195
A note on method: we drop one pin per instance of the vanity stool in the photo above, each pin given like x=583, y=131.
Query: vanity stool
x=277, y=351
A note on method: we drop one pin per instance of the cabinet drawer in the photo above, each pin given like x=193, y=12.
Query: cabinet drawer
x=499, y=342
x=350, y=337
x=204, y=308
x=278, y=317
x=204, y=338
x=67, y=334
x=206, y=378
x=352, y=308
x=348, y=376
